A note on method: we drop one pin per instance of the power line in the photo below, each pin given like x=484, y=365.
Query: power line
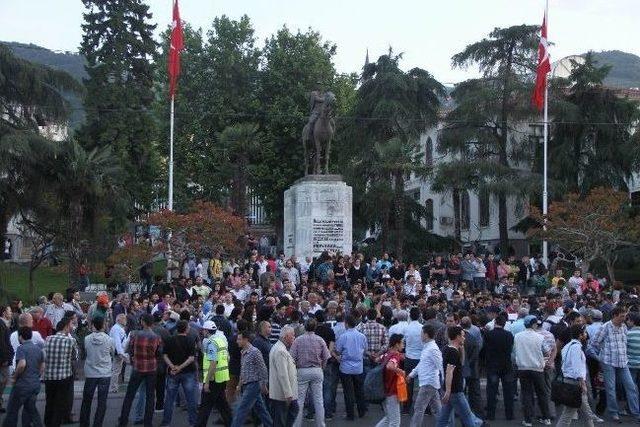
x=345, y=118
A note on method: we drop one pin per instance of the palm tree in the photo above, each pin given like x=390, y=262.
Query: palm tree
x=86, y=182
x=396, y=107
x=238, y=143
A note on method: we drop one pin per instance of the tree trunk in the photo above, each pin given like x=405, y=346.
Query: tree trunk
x=503, y=139
x=386, y=224
x=502, y=224
x=74, y=248
x=399, y=213
x=32, y=289
x=457, y=234
x=611, y=272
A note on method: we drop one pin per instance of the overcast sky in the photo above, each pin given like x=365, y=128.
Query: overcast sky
x=429, y=32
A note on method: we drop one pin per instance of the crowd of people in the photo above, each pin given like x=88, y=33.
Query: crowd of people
x=269, y=340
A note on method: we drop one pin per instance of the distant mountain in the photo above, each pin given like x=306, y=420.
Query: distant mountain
x=72, y=63
x=625, y=68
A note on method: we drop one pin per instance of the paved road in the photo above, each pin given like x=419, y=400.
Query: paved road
x=114, y=404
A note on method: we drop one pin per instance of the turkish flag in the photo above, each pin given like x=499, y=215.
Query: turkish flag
x=544, y=66
x=177, y=44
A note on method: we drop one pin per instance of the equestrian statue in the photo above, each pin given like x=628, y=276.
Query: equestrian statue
x=318, y=132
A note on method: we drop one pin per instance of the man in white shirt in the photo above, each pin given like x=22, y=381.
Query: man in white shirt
x=530, y=355
x=574, y=369
x=401, y=326
x=119, y=336
x=55, y=311
x=413, y=349
x=25, y=319
x=429, y=373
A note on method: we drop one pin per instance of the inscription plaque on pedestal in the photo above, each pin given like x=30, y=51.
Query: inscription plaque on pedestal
x=317, y=216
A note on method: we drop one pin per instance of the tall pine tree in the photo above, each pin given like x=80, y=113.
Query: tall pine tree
x=118, y=46
x=484, y=131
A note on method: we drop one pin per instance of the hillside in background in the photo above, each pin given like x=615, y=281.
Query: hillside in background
x=72, y=63
x=625, y=68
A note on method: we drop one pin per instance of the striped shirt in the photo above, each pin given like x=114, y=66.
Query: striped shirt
x=611, y=344
x=633, y=347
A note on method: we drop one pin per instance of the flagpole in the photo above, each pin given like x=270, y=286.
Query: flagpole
x=170, y=206
x=545, y=247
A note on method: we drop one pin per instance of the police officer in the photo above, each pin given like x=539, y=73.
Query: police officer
x=215, y=368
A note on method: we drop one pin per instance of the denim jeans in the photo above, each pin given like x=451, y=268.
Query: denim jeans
x=427, y=397
x=611, y=374
x=186, y=380
x=136, y=379
x=311, y=379
x=493, y=381
x=353, y=393
x=458, y=404
x=330, y=388
x=391, y=408
x=251, y=398
x=140, y=402
x=284, y=413
x=90, y=385
x=23, y=398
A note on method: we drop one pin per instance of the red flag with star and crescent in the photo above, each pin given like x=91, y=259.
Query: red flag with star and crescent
x=176, y=46
x=544, y=66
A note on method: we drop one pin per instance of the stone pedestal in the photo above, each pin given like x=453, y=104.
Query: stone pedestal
x=317, y=216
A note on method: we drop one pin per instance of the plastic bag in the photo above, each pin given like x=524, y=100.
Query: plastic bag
x=401, y=389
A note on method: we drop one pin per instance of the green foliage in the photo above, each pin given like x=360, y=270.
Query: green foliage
x=69, y=62
x=118, y=46
x=64, y=190
x=239, y=145
x=217, y=89
x=592, y=143
x=31, y=94
x=293, y=64
x=483, y=135
x=380, y=149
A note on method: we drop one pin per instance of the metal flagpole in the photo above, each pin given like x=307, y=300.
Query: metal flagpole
x=170, y=204
x=171, y=157
x=545, y=248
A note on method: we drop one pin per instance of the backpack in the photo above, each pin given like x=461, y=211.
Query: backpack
x=373, y=387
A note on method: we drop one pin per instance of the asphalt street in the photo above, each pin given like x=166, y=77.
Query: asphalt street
x=114, y=404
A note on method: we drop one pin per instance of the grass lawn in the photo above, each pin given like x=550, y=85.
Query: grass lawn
x=14, y=279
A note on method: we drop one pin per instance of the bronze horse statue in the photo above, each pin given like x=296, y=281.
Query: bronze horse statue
x=317, y=136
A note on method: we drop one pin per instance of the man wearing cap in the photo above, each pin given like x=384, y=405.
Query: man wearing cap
x=215, y=368
x=530, y=352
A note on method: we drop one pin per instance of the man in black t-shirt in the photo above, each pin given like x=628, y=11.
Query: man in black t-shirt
x=180, y=356
x=454, y=398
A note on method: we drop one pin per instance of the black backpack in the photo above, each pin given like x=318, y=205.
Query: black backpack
x=373, y=387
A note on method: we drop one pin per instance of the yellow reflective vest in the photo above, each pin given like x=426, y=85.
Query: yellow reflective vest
x=222, y=365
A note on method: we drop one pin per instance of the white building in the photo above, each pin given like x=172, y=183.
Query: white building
x=478, y=215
